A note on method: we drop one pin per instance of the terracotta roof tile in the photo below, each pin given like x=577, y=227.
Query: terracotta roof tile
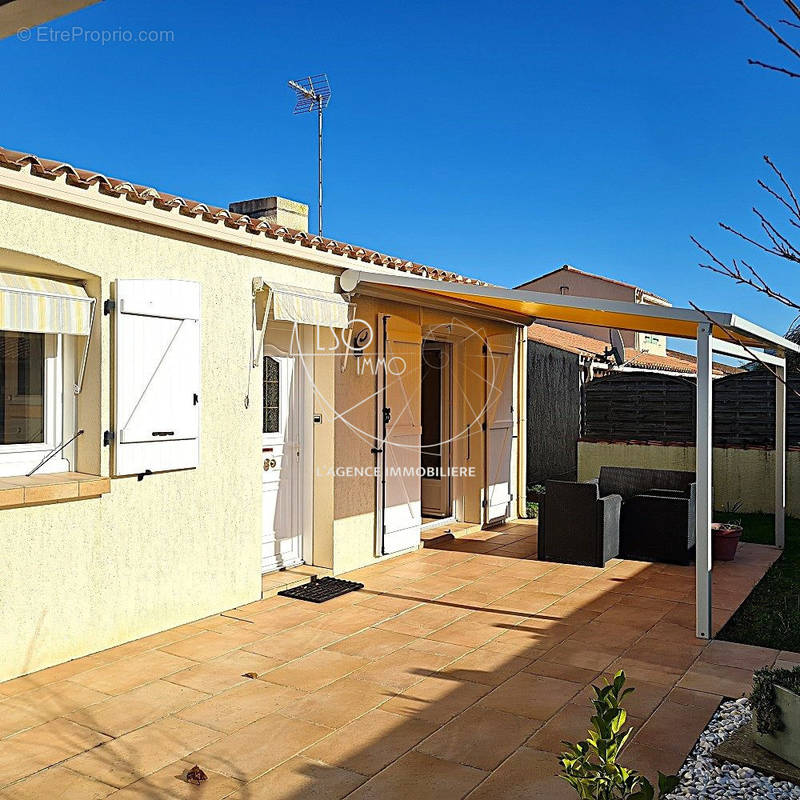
x=674, y=361
x=141, y=195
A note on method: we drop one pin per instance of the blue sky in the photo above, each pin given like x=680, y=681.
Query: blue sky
x=500, y=140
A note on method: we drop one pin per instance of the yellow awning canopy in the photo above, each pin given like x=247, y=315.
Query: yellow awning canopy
x=667, y=320
x=306, y=306
x=42, y=305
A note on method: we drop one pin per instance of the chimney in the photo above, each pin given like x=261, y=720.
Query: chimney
x=277, y=210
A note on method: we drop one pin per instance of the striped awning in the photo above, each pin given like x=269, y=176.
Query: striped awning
x=42, y=305
x=307, y=306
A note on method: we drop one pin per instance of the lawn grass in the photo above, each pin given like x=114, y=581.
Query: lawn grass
x=770, y=617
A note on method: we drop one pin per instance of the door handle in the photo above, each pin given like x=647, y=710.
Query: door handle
x=270, y=463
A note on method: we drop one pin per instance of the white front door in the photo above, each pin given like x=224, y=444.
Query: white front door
x=282, y=539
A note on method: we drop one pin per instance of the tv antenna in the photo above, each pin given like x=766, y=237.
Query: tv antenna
x=617, y=349
x=313, y=93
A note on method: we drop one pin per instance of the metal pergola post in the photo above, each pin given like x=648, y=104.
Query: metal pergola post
x=703, y=453
x=780, y=453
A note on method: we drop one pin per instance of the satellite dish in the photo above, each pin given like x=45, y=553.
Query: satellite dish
x=617, y=349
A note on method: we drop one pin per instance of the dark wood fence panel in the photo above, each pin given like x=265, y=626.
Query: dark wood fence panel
x=640, y=406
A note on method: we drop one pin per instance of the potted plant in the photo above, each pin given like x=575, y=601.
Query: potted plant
x=591, y=767
x=775, y=701
x=535, y=500
x=725, y=535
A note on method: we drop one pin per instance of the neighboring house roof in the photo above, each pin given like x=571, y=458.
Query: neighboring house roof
x=576, y=271
x=48, y=169
x=674, y=361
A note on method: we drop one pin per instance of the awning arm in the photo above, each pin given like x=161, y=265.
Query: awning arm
x=78, y=387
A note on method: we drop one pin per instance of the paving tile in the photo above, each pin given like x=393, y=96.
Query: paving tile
x=433, y=586
x=36, y=748
x=527, y=775
x=744, y=656
x=578, y=654
x=402, y=669
x=531, y=638
x=371, y=742
x=211, y=644
x=669, y=655
x=315, y=670
x=258, y=747
x=649, y=760
x=241, y=705
x=570, y=723
x=526, y=600
x=293, y=643
x=301, y=778
x=606, y=636
x=135, y=755
x=37, y=706
x=424, y=619
x=689, y=697
x=275, y=620
x=121, y=676
x=484, y=666
x=718, y=679
x=531, y=696
x=118, y=715
x=422, y=777
x=350, y=620
x=473, y=630
x=57, y=782
x=338, y=703
x=170, y=782
x=566, y=672
x=223, y=672
x=436, y=699
x=371, y=644
x=674, y=726
x=479, y=737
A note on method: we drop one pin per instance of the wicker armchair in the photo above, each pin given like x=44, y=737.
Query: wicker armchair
x=577, y=525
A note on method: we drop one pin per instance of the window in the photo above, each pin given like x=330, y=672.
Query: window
x=32, y=407
x=272, y=391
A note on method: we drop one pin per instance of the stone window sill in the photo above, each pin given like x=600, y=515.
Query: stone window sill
x=23, y=491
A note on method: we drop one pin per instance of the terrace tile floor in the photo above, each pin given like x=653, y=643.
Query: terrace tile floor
x=455, y=673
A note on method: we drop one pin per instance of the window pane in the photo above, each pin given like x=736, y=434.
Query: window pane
x=21, y=388
x=271, y=395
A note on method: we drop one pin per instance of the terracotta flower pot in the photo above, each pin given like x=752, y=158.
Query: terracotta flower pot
x=724, y=541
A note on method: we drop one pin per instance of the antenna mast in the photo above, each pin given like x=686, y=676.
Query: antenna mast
x=313, y=93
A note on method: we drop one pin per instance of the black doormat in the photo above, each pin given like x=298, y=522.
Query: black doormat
x=318, y=591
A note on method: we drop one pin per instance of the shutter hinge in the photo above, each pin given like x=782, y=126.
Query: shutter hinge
x=483, y=426
x=484, y=504
x=108, y=437
x=387, y=415
x=484, y=349
x=108, y=307
x=195, y=399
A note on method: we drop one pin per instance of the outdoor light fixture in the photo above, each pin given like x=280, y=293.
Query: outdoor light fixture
x=313, y=92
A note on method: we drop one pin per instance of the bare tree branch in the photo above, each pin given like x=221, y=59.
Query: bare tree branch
x=767, y=27
x=783, y=70
x=733, y=338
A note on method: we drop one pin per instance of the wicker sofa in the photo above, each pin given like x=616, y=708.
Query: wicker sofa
x=640, y=514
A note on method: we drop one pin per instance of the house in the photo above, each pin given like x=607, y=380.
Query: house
x=17, y=17
x=214, y=396
x=568, y=280
x=569, y=361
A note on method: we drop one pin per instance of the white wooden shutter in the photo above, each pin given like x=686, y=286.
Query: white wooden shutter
x=399, y=497
x=499, y=426
x=157, y=375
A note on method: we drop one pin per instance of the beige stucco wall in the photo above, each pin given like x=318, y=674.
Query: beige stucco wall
x=82, y=576
x=739, y=475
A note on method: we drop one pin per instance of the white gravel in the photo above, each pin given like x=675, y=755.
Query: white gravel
x=703, y=777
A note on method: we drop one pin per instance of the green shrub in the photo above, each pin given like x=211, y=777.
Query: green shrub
x=766, y=712
x=591, y=767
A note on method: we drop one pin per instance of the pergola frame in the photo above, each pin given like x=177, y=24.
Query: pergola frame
x=714, y=332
